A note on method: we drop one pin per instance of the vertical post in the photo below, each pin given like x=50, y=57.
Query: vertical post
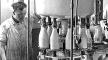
x=76, y=18
x=106, y=16
x=99, y=10
x=28, y=37
x=0, y=11
x=71, y=52
x=34, y=6
x=30, y=51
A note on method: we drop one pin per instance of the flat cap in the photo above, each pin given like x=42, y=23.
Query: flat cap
x=19, y=6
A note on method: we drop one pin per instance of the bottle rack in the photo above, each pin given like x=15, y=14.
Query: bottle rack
x=61, y=54
x=50, y=55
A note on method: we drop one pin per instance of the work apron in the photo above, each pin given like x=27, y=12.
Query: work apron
x=17, y=42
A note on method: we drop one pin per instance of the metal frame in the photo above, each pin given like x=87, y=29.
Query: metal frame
x=71, y=52
x=0, y=11
x=28, y=35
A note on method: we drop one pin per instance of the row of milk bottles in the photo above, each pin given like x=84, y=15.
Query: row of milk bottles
x=82, y=34
x=84, y=30
x=49, y=37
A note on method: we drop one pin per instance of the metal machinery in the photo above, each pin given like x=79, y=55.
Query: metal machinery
x=83, y=43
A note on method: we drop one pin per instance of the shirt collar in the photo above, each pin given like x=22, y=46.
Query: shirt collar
x=15, y=20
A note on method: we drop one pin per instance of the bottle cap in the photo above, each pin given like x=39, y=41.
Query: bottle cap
x=54, y=22
x=49, y=21
x=82, y=52
x=107, y=55
x=43, y=21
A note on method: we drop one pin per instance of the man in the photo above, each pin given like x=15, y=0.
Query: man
x=13, y=34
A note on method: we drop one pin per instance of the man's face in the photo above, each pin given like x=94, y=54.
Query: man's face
x=20, y=14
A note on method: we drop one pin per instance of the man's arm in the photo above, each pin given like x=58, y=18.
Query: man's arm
x=35, y=19
x=2, y=42
x=2, y=52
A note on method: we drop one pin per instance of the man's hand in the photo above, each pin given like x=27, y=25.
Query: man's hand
x=2, y=53
x=36, y=17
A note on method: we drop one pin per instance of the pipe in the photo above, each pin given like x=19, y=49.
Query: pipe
x=71, y=52
x=35, y=6
x=0, y=11
x=28, y=35
x=76, y=18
